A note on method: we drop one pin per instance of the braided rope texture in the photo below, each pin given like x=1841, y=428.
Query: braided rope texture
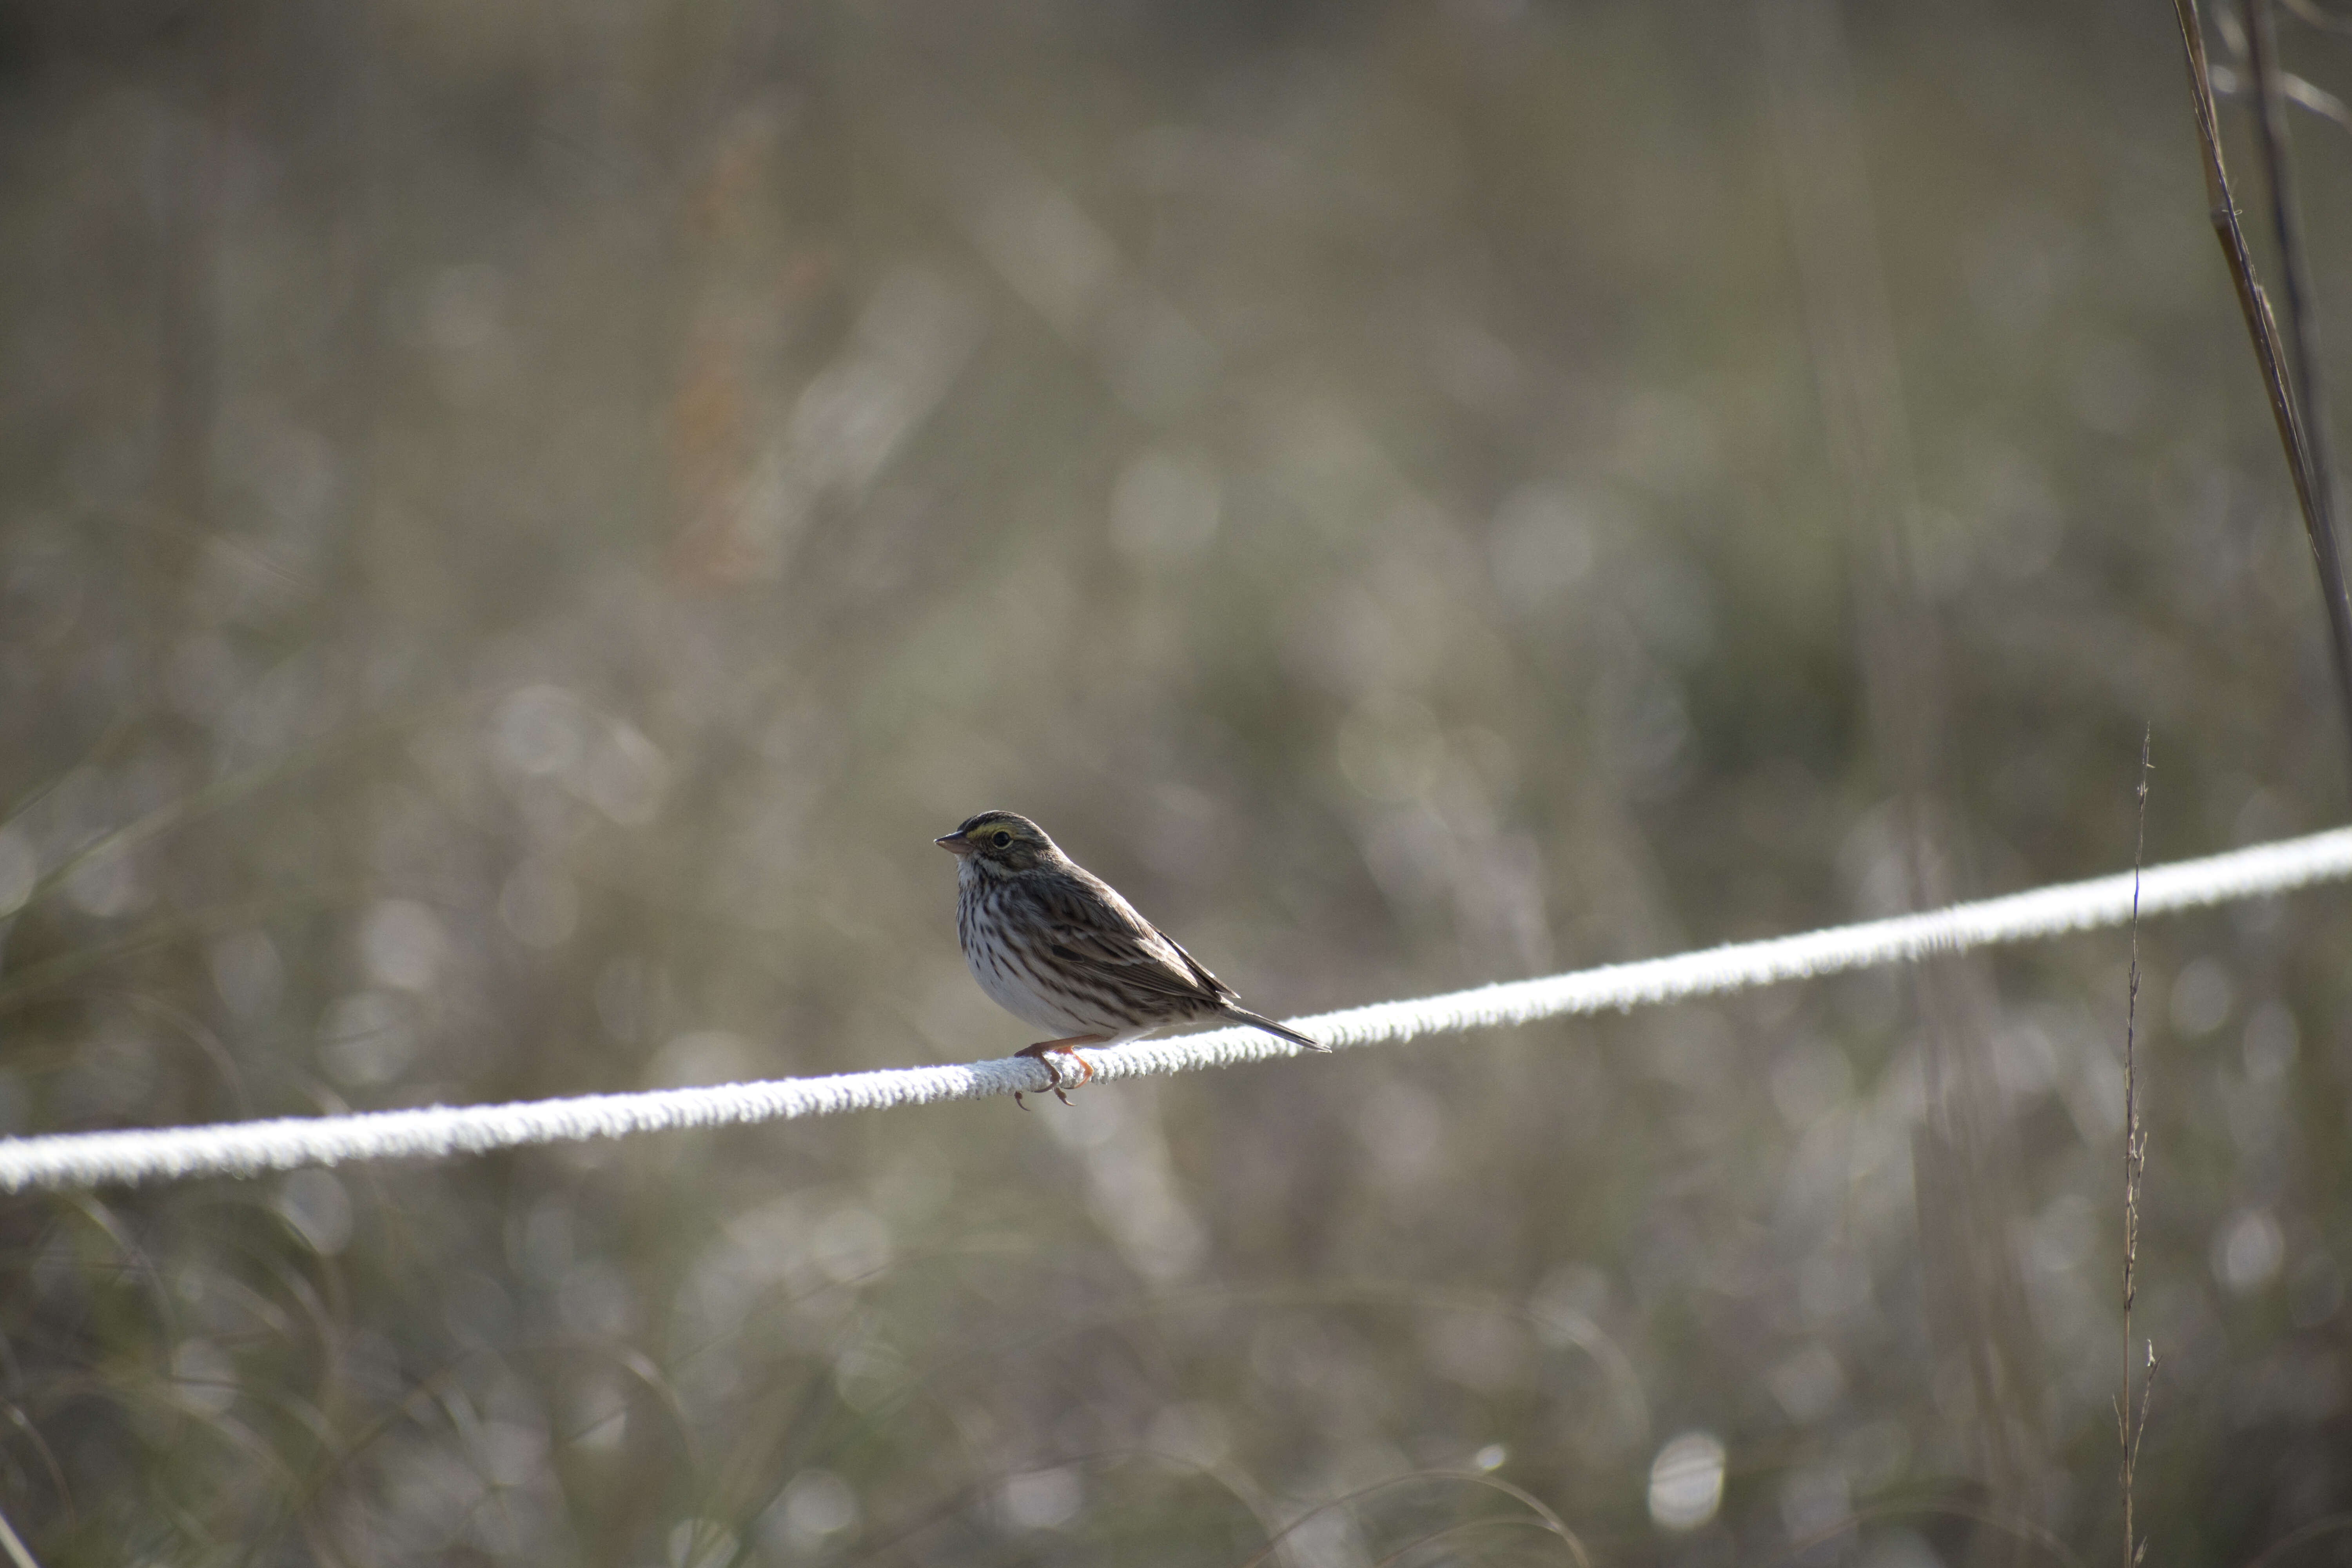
x=83, y=1160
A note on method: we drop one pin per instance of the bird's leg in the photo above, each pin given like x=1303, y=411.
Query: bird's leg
x=1045, y=1051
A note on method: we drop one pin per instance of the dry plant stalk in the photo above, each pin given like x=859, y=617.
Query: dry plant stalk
x=2292, y=388
x=2131, y=1424
x=2286, y=225
x=14, y=1545
x=1966, y=1202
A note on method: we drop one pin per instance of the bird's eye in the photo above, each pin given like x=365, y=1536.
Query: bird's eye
x=1000, y=838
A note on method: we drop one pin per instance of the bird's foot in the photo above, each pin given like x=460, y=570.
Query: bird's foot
x=1045, y=1051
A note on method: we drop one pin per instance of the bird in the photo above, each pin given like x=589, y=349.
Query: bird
x=1056, y=946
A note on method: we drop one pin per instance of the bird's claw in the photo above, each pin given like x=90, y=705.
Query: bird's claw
x=1042, y=1053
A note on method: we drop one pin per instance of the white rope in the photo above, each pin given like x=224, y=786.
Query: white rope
x=250, y=1148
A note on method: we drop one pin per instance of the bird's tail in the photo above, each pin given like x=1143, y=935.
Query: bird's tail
x=1244, y=1015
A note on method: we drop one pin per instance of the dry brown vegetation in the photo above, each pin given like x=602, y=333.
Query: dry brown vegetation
x=535, y=515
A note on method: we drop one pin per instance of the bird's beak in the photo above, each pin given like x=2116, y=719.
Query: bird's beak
x=955, y=844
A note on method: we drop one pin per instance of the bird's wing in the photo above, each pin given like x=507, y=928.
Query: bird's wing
x=1214, y=986
x=1095, y=931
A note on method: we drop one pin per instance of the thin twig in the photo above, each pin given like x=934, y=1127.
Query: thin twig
x=2295, y=274
x=2299, y=93
x=2293, y=414
x=2327, y=21
x=18, y=1556
x=2130, y=1427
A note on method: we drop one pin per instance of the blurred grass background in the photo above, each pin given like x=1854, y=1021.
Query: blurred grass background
x=535, y=514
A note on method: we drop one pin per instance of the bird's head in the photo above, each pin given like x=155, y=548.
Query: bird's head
x=1000, y=842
